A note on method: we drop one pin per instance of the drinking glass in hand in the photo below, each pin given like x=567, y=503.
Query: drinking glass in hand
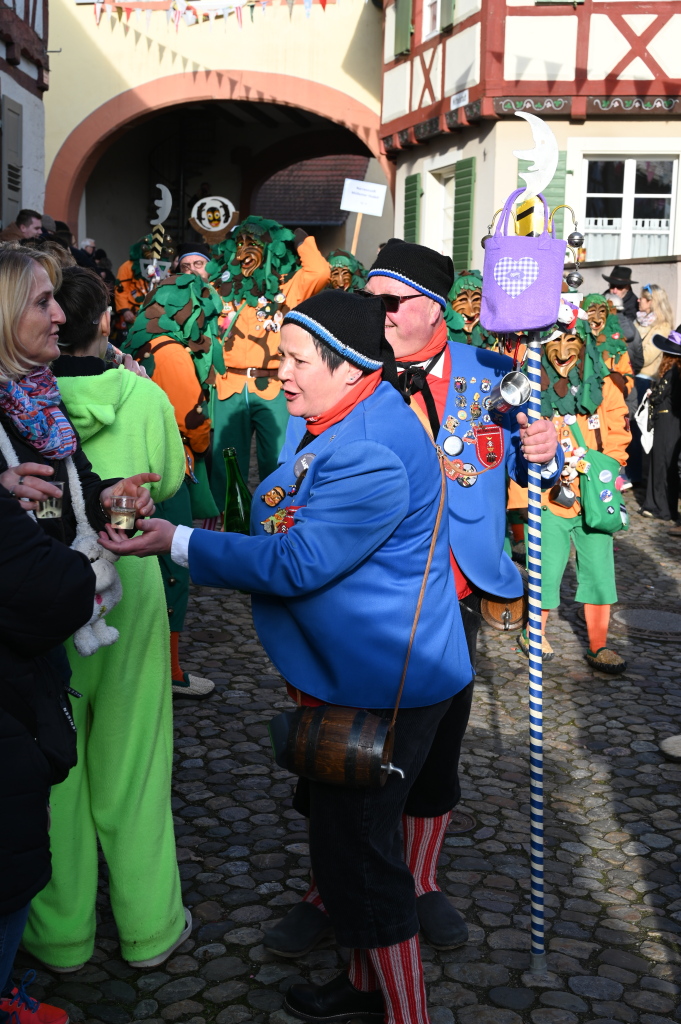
x=50, y=508
x=123, y=512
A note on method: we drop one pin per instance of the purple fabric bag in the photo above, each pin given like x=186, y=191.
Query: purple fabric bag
x=522, y=276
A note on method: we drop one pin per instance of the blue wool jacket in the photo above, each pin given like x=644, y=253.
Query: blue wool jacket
x=486, y=444
x=335, y=583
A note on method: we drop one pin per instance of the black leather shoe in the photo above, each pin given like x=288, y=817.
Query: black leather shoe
x=441, y=924
x=338, y=1000
x=299, y=932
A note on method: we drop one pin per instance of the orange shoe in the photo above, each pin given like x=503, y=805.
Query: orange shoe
x=26, y=1010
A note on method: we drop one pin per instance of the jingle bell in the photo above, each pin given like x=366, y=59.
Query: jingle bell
x=574, y=279
x=575, y=239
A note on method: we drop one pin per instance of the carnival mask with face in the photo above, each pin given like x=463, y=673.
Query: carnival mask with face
x=249, y=253
x=597, y=314
x=564, y=352
x=341, y=278
x=467, y=303
x=214, y=217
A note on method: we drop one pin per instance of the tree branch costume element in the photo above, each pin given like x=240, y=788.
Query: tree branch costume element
x=261, y=271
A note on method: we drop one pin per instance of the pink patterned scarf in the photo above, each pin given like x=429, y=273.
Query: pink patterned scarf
x=32, y=404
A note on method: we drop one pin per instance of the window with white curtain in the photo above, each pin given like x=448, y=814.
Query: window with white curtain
x=431, y=19
x=629, y=203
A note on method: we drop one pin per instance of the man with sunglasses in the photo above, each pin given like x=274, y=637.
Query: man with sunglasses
x=448, y=385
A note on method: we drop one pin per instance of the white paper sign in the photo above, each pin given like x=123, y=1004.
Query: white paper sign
x=459, y=99
x=363, y=197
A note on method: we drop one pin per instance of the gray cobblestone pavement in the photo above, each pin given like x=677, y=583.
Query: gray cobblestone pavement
x=613, y=835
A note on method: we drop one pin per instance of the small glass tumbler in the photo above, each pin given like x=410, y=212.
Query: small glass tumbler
x=123, y=512
x=51, y=507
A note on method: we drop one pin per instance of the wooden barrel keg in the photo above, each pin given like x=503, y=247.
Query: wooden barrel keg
x=506, y=613
x=340, y=746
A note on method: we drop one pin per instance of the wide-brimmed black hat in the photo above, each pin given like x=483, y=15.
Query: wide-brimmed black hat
x=350, y=324
x=424, y=269
x=620, y=277
x=671, y=346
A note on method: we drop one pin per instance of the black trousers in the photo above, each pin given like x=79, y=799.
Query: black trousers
x=437, y=789
x=662, y=490
x=356, y=844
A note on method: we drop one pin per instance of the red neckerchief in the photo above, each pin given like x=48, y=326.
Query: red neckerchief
x=361, y=390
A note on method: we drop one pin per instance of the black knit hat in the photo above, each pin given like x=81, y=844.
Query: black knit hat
x=424, y=269
x=193, y=249
x=350, y=324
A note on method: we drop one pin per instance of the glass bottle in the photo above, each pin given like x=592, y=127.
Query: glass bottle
x=237, y=517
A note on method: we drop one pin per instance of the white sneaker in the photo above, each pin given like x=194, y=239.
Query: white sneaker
x=162, y=957
x=193, y=686
x=671, y=747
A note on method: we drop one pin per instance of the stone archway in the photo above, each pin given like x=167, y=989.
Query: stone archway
x=87, y=143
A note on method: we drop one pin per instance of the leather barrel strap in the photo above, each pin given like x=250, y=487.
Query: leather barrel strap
x=422, y=594
x=251, y=371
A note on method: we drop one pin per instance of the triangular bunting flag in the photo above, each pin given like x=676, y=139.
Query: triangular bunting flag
x=128, y=12
x=148, y=19
x=239, y=16
x=98, y=12
x=290, y=7
x=323, y=3
x=263, y=5
x=250, y=7
x=308, y=7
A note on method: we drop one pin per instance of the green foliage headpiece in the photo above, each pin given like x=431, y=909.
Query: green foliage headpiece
x=185, y=308
x=582, y=390
x=614, y=344
x=280, y=262
x=342, y=258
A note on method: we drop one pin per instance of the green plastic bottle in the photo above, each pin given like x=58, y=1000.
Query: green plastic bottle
x=237, y=517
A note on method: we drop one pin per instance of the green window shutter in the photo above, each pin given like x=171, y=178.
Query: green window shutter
x=464, y=193
x=402, y=27
x=555, y=193
x=412, y=207
x=446, y=14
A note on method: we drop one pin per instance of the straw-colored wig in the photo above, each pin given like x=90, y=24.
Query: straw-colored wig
x=17, y=264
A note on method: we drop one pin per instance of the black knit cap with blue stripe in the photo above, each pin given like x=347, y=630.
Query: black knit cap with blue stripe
x=352, y=325
x=424, y=269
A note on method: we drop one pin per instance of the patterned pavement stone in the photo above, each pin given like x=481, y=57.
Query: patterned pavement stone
x=613, y=835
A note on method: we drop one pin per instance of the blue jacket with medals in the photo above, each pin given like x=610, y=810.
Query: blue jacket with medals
x=482, y=448
x=335, y=564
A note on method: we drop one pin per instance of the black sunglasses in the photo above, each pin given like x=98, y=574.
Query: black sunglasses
x=392, y=303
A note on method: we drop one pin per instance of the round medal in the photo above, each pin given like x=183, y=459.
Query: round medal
x=452, y=445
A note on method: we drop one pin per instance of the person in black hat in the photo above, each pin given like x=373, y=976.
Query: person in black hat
x=664, y=404
x=449, y=387
x=351, y=519
x=193, y=258
x=620, y=292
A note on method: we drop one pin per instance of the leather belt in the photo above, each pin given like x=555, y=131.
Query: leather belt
x=250, y=371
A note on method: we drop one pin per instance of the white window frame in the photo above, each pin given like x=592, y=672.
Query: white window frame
x=425, y=34
x=579, y=150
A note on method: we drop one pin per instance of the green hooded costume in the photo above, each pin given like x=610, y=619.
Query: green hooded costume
x=119, y=792
x=455, y=321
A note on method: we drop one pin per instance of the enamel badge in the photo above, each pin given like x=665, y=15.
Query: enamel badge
x=489, y=445
x=273, y=497
x=281, y=521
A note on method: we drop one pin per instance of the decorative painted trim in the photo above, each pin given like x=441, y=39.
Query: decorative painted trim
x=633, y=105
x=473, y=111
x=404, y=139
x=390, y=144
x=427, y=129
x=507, y=105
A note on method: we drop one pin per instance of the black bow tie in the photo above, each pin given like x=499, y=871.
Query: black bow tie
x=414, y=377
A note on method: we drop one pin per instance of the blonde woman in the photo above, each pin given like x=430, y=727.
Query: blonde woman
x=654, y=317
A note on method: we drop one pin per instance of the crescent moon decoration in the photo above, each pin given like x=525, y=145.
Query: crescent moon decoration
x=544, y=157
x=163, y=205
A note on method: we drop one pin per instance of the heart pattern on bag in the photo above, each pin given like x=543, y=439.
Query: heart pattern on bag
x=515, y=276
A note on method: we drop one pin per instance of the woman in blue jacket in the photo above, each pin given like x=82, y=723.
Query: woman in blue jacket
x=335, y=564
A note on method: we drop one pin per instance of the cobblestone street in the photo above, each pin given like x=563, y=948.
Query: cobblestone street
x=613, y=833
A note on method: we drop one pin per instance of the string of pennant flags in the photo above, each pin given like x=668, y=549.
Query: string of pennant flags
x=191, y=12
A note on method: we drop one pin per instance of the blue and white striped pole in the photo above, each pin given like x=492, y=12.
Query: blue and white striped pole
x=534, y=632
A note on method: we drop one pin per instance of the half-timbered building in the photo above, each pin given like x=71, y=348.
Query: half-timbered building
x=606, y=75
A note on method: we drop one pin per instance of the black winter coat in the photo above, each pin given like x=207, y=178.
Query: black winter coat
x=46, y=593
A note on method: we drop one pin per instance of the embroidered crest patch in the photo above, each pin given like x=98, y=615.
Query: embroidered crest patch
x=489, y=445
